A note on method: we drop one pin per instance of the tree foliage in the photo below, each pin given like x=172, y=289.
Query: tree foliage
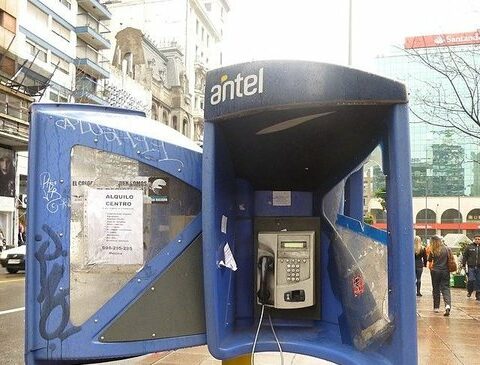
x=451, y=100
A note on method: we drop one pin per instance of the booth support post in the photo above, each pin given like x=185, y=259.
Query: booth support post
x=242, y=360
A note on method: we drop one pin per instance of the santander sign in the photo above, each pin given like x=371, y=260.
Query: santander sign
x=238, y=87
x=442, y=40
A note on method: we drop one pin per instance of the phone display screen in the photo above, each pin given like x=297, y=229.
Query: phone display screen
x=293, y=244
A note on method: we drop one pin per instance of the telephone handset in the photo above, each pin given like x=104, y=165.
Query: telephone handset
x=285, y=269
x=265, y=264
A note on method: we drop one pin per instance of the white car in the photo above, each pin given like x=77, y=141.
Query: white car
x=13, y=259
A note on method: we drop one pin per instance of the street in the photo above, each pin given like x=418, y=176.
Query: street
x=12, y=317
x=437, y=334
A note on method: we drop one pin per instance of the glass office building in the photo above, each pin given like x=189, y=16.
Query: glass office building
x=445, y=162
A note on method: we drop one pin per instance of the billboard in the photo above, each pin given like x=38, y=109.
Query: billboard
x=7, y=173
x=442, y=40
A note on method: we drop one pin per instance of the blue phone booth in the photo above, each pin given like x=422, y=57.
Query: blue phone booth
x=288, y=262
x=114, y=253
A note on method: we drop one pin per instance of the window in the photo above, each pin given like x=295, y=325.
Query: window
x=66, y=3
x=63, y=65
x=60, y=30
x=53, y=96
x=57, y=97
x=196, y=26
x=163, y=206
x=8, y=22
x=8, y=66
x=35, y=50
x=208, y=40
x=36, y=15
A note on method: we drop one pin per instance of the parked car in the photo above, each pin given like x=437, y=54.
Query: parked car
x=14, y=259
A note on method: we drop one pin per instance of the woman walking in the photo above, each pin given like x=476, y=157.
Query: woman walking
x=438, y=257
x=420, y=262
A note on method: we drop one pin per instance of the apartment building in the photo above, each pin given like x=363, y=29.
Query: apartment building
x=195, y=29
x=50, y=51
x=92, y=34
x=84, y=51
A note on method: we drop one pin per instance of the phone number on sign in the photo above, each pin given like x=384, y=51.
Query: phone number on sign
x=117, y=248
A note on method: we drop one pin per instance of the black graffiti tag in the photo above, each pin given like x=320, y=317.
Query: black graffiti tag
x=51, y=296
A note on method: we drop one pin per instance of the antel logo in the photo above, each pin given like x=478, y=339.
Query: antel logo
x=237, y=88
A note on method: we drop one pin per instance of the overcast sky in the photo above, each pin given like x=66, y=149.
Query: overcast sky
x=318, y=29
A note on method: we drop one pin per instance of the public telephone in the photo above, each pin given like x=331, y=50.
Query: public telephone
x=285, y=269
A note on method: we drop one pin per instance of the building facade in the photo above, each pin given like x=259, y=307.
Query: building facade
x=445, y=164
x=194, y=29
x=144, y=55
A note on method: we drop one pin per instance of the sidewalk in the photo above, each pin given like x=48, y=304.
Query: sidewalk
x=453, y=340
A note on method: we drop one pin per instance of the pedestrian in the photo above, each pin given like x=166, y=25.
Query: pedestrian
x=420, y=262
x=22, y=236
x=471, y=258
x=438, y=258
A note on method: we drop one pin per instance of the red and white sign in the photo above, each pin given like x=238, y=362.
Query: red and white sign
x=442, y=40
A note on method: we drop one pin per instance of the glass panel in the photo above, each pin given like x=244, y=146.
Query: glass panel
x=124, y=213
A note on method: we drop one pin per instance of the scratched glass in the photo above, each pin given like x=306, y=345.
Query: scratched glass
x=168, y=206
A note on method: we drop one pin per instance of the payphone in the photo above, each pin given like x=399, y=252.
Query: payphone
x=285, y=278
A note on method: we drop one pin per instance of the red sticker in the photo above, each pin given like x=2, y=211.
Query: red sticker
x=358, y=285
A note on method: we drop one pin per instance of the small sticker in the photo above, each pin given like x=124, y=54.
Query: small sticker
x=158, y=189
x=358, y=285
x=228, y=260
x=223, y=227
x=281, y=198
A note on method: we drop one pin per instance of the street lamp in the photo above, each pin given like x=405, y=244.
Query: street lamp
x=350, y=32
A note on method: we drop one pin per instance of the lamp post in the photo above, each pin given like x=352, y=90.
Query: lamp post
x=350, y=32
x=426, y=191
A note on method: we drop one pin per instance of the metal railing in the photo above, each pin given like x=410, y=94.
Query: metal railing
x=91, y=54
x=87, y=20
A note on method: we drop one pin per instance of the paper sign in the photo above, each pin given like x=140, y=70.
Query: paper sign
x=229, y=260
x=115, y=226
x=281, y=198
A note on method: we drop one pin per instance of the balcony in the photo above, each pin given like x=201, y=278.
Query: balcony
x=91, y=62
x=14, y=118
x=89, y=91
x=91, y=31
x=96, y=8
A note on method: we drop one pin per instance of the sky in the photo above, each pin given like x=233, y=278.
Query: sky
x=317, y=30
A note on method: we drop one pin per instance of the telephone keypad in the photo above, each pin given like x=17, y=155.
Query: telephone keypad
x=295, y=269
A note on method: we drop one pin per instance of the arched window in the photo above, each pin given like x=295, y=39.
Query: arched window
x=174, y=123
x=186, y=129
x=165, y=117
x=154, y=114
x=451, y=216
x=473, y=215
x=127, y=64
x=427, y=217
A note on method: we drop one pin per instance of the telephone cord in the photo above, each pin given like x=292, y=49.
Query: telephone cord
x=276, y=338
x=252, y=359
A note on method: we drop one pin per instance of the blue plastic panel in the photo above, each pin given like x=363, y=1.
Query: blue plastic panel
x=55, y=129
